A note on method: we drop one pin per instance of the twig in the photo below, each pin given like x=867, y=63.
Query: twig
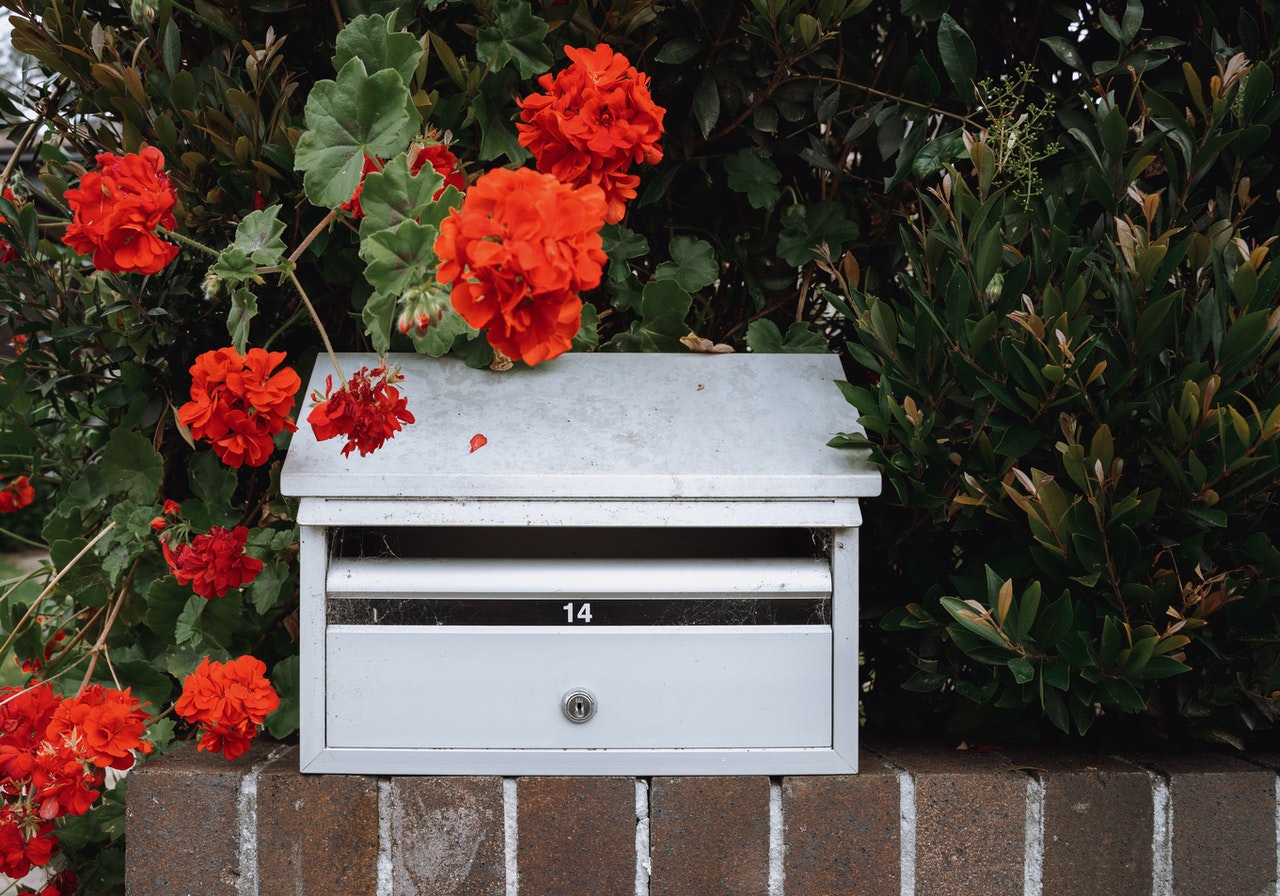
x=48, y=589
x=324, y=336
x=100, y=647
x=18, y=150
x=315, y=232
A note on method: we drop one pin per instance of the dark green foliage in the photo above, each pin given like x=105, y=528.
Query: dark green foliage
x=1075, y=396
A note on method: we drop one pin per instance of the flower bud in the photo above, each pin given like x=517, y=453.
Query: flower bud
x=143, y=11
x=422, y=307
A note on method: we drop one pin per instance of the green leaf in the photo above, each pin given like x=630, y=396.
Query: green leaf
x=693, y=264
x=678, y=51
x=284, y=678
x=968, y=619
x=663, y=309
x=131, y=466
x=1022, y=669
x=393, y=195
x=372, y=40
x=185, y=629
x=212, y=481
x=937, y=153
x=377, y=315
x=1066, y=51
x=1132, y=21
x=517, y=36
x=438, y=338
x=356, y=116
x=498, y=135
x=802, y=338
x=259, y=237
x=588, y=338
x=266, y=589
x=755, y=176
x=1242, y=341
x=398, y=259
x=807, y=227
x=706, y=103
x=244, y=308
x=959, y=57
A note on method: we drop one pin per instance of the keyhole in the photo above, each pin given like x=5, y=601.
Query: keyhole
x=579, y=705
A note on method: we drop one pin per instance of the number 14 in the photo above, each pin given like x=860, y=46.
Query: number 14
x=584, y=612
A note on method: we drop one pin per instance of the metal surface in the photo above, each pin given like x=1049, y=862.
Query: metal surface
x=578, y=705
x=601, y=426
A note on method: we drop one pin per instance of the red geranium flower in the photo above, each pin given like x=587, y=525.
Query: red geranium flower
x=518, y=252
x=106, y=724
x=228, y=701
x=214, y=562
x=368, y=410
x=23, y=845
x=437, y=155
x=16, y=494
x=239, y=405
x=593, y=121
x=53, y=752
x=117, y=209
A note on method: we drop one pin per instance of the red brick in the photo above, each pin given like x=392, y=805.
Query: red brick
x=447, y=837
x=971, y=813
x=1098, y=807
x=577, y=836
x=841, y=832
x=182, y=823
x=1224, y=824
x=317, y=834
x=709, y=835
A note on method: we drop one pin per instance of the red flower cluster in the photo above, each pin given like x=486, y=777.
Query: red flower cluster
x=7, y=252
x=518, y=252
x=16, y=494
x=53, y=753
x=117, y=210
x=228, y=701
x=239, y=405
x=437, y=155
x=593, y=121
x=368, y=410
x=214, y=562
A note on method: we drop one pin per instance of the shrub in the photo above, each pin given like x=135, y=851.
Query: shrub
x=1076, y=404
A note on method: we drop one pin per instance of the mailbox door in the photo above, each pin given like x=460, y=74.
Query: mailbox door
x=652, y=686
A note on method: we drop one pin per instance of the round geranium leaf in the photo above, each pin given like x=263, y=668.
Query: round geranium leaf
x=355, y=116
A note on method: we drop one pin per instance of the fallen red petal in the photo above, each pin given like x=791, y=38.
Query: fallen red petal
x=478, y=441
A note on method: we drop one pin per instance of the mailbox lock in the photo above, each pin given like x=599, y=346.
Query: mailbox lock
x=579, y=705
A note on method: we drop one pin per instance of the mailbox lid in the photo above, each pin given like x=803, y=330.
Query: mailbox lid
x=601, y=427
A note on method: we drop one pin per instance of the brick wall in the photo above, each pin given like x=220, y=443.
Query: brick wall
x=925, y=822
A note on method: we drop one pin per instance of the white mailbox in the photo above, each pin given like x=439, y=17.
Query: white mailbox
x=650, y=567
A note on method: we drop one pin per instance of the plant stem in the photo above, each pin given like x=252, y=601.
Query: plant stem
x=315, y=232
x=324, y=336
x=100, y=647
x=888, y=96
x=188, y=241
x=18, y=150
x=48, y=589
